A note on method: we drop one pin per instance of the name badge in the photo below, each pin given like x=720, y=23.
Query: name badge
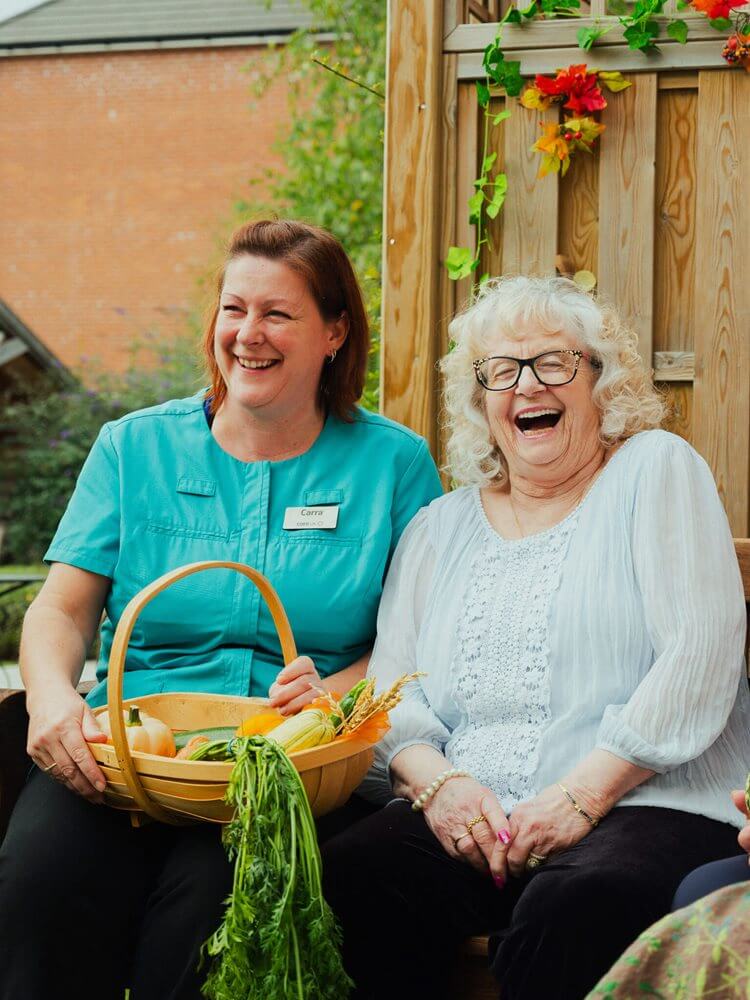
x=297, y=518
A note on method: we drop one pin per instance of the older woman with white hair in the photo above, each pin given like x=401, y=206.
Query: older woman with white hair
x=577, y=612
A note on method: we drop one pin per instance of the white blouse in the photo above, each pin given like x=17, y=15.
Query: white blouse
x=622, y=627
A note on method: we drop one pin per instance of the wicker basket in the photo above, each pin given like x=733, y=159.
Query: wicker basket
x=183, y=791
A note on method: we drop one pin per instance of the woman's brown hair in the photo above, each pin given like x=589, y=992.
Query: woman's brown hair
x=319, y=258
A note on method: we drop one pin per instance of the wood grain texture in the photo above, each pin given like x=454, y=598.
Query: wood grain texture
x=530, y=212
x=721, y=430
x=535, y=59
x=578, y=230
x=412, y=228
x=492, y=259
x=674, y=234
x=674, y=366
x=680, y=416
x=449, y=211
x=626, y=206
x=467, y=165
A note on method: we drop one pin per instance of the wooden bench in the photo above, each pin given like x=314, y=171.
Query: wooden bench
x=472, y=978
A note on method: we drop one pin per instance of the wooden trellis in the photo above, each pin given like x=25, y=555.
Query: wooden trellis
x=660, y=214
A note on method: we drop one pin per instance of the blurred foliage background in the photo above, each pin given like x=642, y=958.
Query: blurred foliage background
x=332, y=146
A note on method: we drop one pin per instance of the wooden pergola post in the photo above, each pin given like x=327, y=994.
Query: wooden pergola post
x=412, y=225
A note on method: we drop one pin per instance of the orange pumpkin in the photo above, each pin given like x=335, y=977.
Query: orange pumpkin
x=260, y=723
x=143, y=732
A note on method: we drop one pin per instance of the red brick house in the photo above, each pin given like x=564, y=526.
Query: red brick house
x=128, y=130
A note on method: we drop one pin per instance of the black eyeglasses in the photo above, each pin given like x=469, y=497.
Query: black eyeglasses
x=551, y=368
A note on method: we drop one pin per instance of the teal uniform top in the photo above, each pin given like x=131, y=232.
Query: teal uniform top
x=157, y=491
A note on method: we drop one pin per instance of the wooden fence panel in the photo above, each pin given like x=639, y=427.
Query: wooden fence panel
x=657, y=213
x=530, y=215
x=721, y=418
x=626, y=204
x=412, y=230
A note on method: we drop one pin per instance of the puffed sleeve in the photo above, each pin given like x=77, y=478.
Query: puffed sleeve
x=88, y=535
x=395, y=653
x=694, y=608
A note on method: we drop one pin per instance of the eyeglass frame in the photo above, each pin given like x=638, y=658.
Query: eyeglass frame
x=529, y=363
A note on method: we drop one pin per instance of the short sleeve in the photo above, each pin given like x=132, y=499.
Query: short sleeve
x=419, y=485
x=88, y=535
x=694, y=611
x=413, y=721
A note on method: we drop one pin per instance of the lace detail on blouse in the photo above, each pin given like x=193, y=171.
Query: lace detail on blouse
x=501, y=661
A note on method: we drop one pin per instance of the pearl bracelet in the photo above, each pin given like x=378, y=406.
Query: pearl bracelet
x=424, y=797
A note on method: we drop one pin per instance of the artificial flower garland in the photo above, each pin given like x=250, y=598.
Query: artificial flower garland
x=578, y=89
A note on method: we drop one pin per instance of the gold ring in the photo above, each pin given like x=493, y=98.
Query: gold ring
x=50, y=766
x=473, y=822
x=456, y=839
x=534, y=861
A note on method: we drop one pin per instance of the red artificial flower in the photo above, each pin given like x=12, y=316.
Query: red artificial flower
x=715, y=9
x=580, y=87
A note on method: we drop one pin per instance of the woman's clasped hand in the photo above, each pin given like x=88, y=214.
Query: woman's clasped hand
x=469, y=822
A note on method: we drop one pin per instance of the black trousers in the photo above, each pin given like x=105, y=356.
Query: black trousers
x=404, y=904
x=89, y=905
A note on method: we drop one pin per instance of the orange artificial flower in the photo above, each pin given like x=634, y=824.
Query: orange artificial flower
x=558, y=142
x=715, y=9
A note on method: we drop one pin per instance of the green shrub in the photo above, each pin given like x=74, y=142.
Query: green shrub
x=12, y=609
x=46, y=433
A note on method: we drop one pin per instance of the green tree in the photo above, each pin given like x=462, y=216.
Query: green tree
x=46, y=433
x=332, y=142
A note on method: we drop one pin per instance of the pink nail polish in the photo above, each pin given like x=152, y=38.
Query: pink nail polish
x=504, y=835
x=499, y=881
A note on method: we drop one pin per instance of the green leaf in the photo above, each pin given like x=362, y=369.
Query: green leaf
x=700, y=981
x=513, y=81
x=475, y=206
x=483, y=94
x=678, y=30
x=617, y=7
x=587, y=36
x=640, y=37
x=498, y=196
x=484, y=279
x=514, y=16
x=530, y=11
x=459, y=262
x=500, y=117
x=682, y=5
x=488, y=162
x=721, y=24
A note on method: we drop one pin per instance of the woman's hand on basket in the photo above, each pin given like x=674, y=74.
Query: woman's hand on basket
x=295, y=686
x=469, y=822
x=544, y=825
x=60, y=723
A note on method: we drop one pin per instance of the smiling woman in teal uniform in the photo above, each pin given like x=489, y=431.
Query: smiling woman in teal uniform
x=225, y=474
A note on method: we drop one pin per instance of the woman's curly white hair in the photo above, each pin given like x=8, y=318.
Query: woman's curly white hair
x=623, y=391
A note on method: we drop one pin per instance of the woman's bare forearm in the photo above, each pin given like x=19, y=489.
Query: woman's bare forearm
x=344, y=679
x=58, y=629
x=53, y=652
x=601, y=779
x=416, y=767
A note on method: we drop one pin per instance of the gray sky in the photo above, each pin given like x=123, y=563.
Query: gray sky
x=9, y=8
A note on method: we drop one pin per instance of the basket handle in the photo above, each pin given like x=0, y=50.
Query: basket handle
x=119, y=649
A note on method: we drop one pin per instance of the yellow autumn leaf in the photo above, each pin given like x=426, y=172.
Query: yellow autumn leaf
x=586, y=280
x=613, y=80
x=533, y=99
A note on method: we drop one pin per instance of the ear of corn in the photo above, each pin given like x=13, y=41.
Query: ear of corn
x=302, y=731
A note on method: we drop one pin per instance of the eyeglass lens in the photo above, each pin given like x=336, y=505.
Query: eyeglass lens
x=554, y=368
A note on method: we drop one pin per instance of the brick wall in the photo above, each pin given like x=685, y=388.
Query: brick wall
x=118, y=172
